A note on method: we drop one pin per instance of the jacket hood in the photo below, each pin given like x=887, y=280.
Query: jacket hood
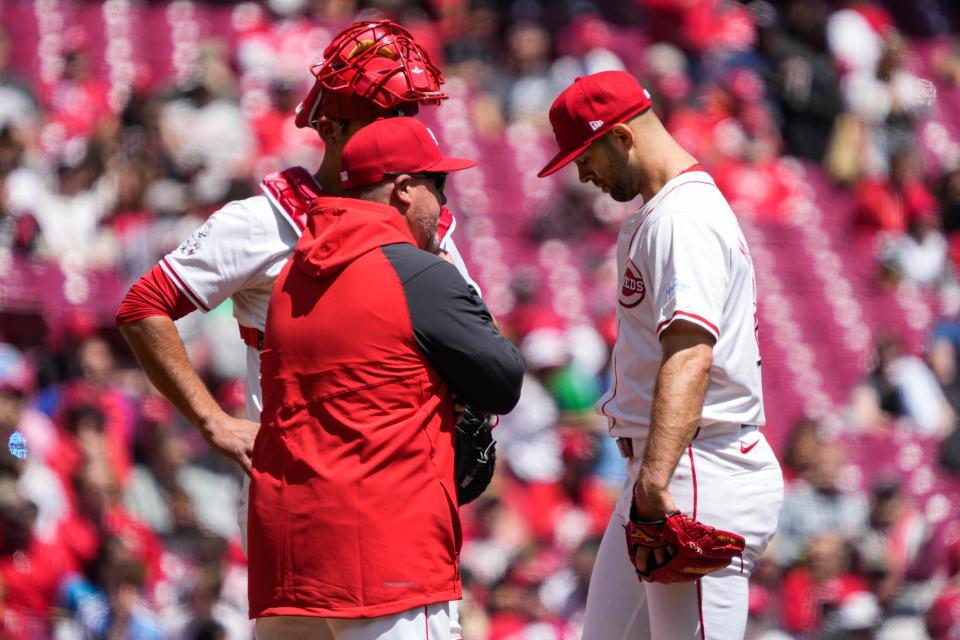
x=340, y=230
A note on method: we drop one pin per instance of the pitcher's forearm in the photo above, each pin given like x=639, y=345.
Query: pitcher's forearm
x=677, y=406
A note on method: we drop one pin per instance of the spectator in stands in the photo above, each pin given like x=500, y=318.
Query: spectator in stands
x=701, y=28
x=108, y=601
x=98, y=513
x=280, y=144
x=753, y=177
x=903, y=386
x=526, y=89
x=802, y=447
x=946, y=62
x=18, y=108
x=17, y=232
x=529, y=444
x=476, y=44
x=564, y=594
x=892, y=544
x=586, y=40
x=493, y=536
x=942, y=360
x=668, y=76
x=564, y=513
x=943, y=616
x=857, y=616
x=30, y=570
x=208, y=138
x=919, y=256
x=69, y=205
x=77, y=101
x=204, y=611
x=818, y=585
x=803, y=78
x=208, y=498
x=891, y=203
x=887, y=100
x=816, y=504
x=949, y=198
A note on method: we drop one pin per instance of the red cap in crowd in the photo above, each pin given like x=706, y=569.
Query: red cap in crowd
x=393, y=145
x=589, y=108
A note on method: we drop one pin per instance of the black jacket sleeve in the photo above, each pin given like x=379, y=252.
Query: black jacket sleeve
x=455, y=331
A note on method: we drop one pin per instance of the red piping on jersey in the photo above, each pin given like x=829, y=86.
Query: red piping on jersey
x=613, y=392
x=709, y=324
x=183, y=286
x=694, y=167
x=693, y=474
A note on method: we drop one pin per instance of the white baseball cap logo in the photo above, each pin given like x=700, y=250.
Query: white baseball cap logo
x=595, y=124
x=435, y=141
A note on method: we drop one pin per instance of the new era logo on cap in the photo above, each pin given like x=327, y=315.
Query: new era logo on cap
x=595, y=124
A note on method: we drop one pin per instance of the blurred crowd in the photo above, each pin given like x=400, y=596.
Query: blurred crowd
x=116, y=521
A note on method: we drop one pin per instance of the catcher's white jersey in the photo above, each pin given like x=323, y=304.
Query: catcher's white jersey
x=238, y=254
x=683, y=256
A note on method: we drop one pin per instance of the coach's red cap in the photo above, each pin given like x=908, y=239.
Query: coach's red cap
x=393, y=145
x=589, y=108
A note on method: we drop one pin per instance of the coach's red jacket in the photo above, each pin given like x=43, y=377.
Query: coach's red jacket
x=353, y=510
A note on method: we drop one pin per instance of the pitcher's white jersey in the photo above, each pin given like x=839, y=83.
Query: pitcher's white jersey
x=683, y=256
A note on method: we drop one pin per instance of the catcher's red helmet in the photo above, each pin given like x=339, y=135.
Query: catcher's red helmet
x=372, y=69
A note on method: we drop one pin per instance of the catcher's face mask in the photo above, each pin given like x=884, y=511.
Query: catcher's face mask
x=371, y=70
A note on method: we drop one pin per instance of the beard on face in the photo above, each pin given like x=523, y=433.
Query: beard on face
x=427, y=222
x=618, y=175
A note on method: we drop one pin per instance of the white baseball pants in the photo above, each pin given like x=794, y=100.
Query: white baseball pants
x=729, y=478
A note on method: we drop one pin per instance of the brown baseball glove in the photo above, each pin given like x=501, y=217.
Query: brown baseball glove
x=690, y=549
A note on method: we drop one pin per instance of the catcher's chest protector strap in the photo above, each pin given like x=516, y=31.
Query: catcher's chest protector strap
x=252, y=337
x=291, y=191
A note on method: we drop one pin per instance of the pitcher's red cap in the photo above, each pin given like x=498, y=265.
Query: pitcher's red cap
x=393, y=145
x=589, y=108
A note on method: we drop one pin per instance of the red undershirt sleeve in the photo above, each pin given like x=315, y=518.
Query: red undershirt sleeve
x=153, y=295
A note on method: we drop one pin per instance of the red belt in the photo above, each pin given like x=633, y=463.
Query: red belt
x=253, y=337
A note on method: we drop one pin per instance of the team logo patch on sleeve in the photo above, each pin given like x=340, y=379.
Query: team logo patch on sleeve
x=633, y=290
x=192, y=244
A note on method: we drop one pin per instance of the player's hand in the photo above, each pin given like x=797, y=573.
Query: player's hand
x=232, y=438
x=651, y=504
